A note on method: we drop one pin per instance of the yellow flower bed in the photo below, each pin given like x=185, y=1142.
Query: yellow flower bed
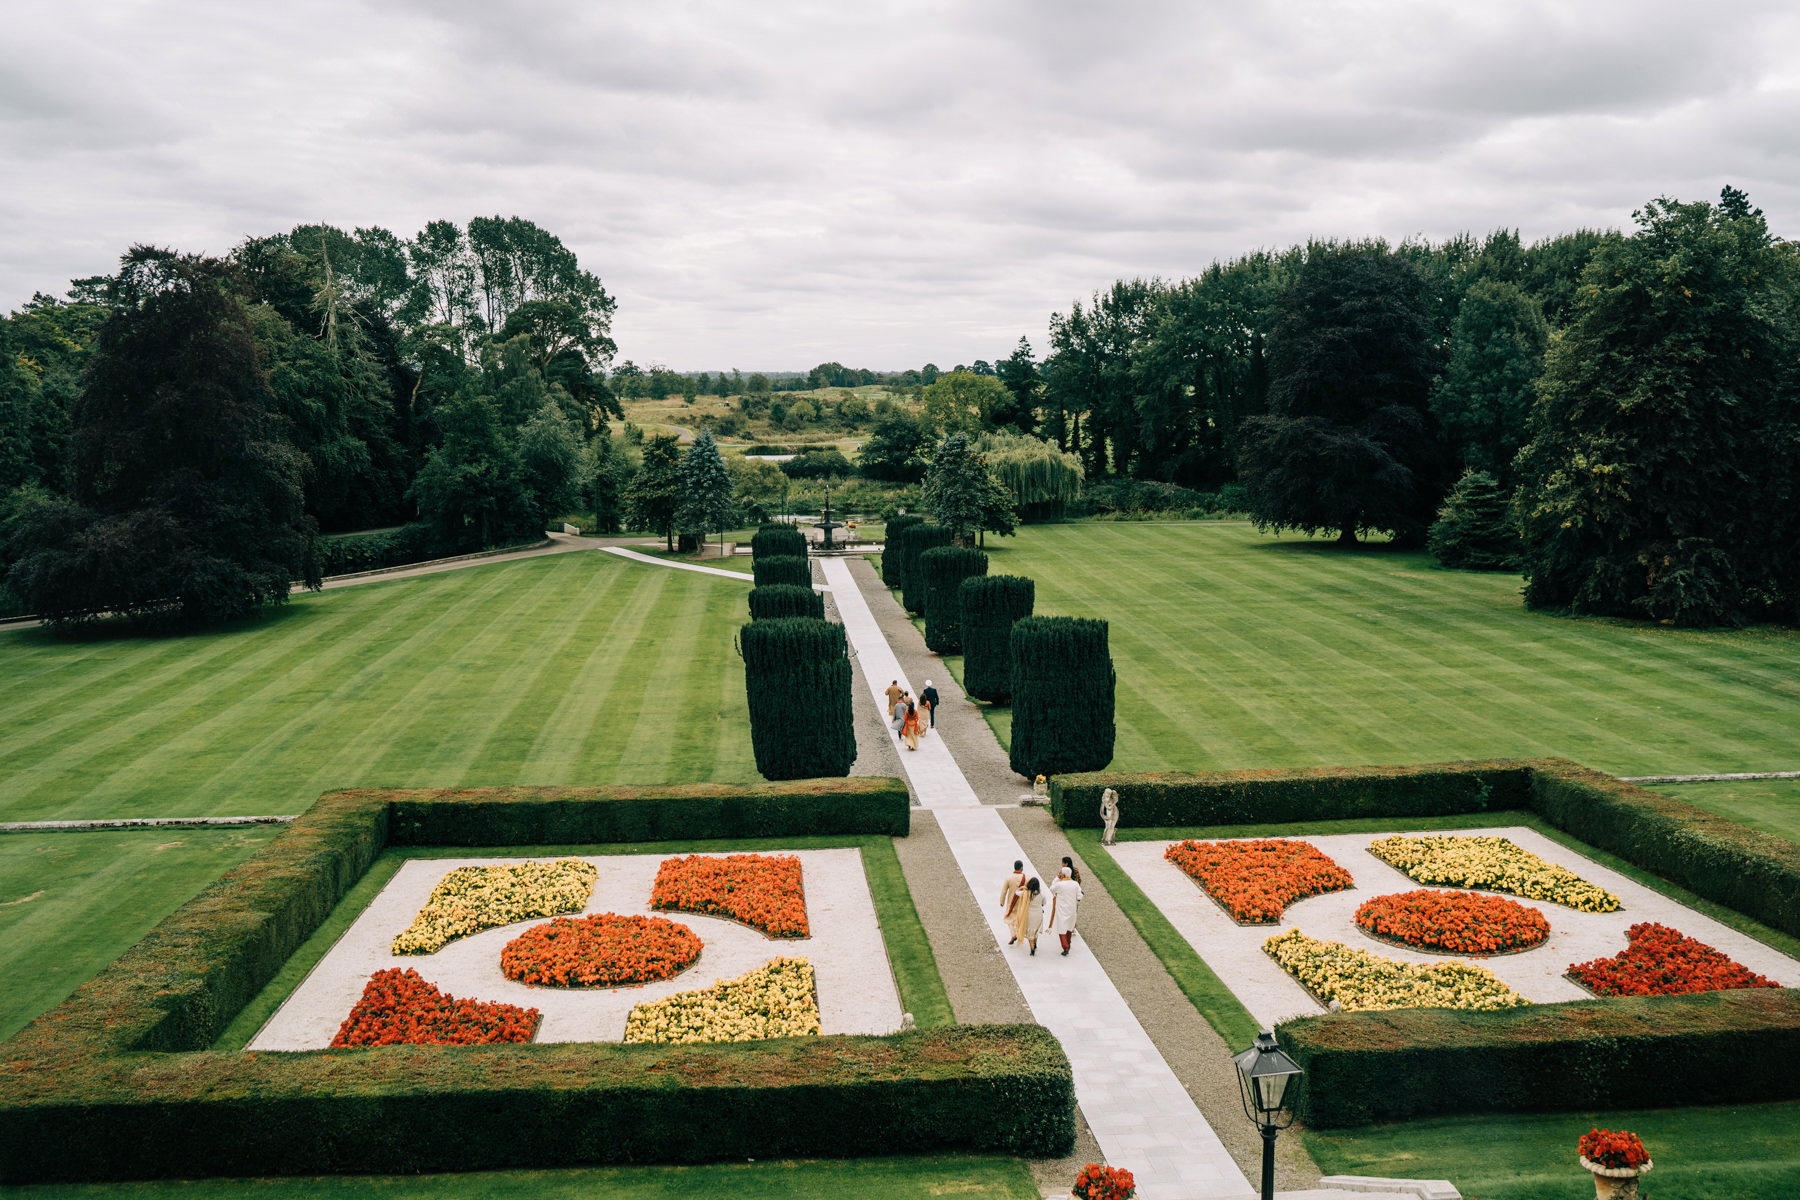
x=1362, y=981
x=1492, y=864
x=470, y=899
x=775, y=1000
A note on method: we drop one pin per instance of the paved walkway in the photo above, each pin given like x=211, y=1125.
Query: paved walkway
x=1139, y=1112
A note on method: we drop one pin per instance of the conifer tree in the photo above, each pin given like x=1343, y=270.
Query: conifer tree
x=1474, y=529
x=705, y=490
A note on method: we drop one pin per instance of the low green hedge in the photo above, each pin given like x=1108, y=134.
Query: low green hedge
x=373, y=551
x=1635, y=1052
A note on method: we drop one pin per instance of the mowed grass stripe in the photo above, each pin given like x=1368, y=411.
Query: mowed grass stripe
x=652, y=732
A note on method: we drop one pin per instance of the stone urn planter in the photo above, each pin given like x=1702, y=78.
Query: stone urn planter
x=1616, y=1183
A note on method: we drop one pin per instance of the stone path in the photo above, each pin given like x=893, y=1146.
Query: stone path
x=1137, y=1109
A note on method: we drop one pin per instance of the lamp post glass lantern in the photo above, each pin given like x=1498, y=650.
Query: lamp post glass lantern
x=1263, y=1075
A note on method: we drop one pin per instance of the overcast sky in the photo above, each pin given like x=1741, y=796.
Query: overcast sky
x=770, y=185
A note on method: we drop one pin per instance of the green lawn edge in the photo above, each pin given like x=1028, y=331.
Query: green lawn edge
x=1204, y=990
x=916, y=975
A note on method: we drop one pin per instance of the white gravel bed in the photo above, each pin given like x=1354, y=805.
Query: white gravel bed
x=849, y=959
x=1235, y=953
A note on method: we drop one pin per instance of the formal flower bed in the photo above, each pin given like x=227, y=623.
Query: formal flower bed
x=1456, y=922
x=398, y=1007
x=1659, y=961
x=763, y=891
x=601, y=950
x=1255, y=880
x=1362, y=981
x=1493, y=864
x=775, y=1000
x=470, y=899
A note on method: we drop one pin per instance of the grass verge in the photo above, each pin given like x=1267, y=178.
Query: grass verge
x=1771, y=805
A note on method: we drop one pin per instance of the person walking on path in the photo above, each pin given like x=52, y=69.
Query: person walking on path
x=894, y=692
x=1026, y=918
x=1074, y=871
x=897, y=711
x=909, y=726
x=1009, y=894
x=1065, y=900
x=929, y=698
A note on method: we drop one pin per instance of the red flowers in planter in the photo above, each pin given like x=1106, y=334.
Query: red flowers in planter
x=1614, y=1150
x=1103, y=1183
x=1659, y=961
x=1255, y=880
x=398, y=1007
x=601, y=950
x=763, y=891
x=1456, y=922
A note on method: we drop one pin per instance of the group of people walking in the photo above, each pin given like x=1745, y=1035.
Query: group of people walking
x=1030, y=908
x=912, y=718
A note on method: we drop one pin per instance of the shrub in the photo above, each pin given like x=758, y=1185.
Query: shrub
x=798, y=676
x=1474, y=529
x=778, y=540
x=943, y=569
x=890, y=556
x=990, y=604
x=914, y=542
x=375, y=551
x=818, y=464
x=788, y=569
x=1062, y=696
x=785, y=600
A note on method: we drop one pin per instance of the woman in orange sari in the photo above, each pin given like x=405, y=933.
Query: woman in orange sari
x=909, y=728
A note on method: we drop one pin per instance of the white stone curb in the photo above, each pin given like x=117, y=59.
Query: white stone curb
x=1424, y=1189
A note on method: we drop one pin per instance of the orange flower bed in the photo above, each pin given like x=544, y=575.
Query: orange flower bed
x=1255, y=880
x=601, y=950
x=763, y=891
x=398, y=1007
x=1659, y=961
x=1457, y=922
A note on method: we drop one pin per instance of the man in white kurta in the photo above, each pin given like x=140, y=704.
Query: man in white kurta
x=1009, y=894
x=1065, y=899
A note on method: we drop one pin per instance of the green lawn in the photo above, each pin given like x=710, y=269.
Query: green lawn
x=1771, y=805
x=577, y=668
x=1238, y=649
x=1749, y=1152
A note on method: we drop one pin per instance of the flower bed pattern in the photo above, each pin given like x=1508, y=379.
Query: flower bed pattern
x=1659, y=961
x=602, y=950
x=776, y=1000
x=471, y=899
x=763, y=891
x=1362, y=981
x=398, y=1007
x=1493, y=864
x=1453, y=922
x=1255, y=880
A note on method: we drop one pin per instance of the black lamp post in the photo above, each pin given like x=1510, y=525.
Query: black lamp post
x=1263, y=1075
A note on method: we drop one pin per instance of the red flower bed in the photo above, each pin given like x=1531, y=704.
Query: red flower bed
x=1659, y=961
x=1615, y=1149
x=762, y=891
x=398, y=1007
x=1459, y=922
x=602, y=950
x=1256, y=880
x=1096, y=1182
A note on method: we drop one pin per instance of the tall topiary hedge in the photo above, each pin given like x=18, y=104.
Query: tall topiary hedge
x=785, y=600
x=913, y=543
x=798, y=679
x=773, y=540
x=890, y=554
x=1062, y=696
x=944, y=568
x=781, y=569
x=990, y=604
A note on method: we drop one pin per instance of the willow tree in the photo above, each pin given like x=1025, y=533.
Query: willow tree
x=1044, y=480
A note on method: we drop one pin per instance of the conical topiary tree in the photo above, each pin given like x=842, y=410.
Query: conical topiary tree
x=772, y=540
x=797, y=677
x=990, y=605
x=781, y=568
x=785, y=600
x=1062, y=696
x=913, y=543
x=890, y=553
x=1474, y=529
x=943, y=569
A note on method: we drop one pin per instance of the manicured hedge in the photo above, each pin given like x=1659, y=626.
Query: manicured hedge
x=116, y=1083
x=777, y=541
x=990, y=604
x=914, y=542
x=785, y=600
x=1636, y=1052
x=943, y=568
x=373, y=551
x=789, y=569
x=890, y=553
x=798, y=678
x=1062, y=696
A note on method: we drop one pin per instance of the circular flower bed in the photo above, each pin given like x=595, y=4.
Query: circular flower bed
x=1454, y=922
x=602, y=950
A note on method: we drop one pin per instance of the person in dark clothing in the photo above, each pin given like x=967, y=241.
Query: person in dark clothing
x=929, y=697
x=1074, y=871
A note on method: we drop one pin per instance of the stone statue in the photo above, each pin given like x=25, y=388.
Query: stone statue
x=1109, y=812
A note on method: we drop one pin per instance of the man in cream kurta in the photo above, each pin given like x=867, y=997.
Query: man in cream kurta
x=1065, y=900
x=1009, y=893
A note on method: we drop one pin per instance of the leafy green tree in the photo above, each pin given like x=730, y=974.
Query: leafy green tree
x=1663, y=475
x=655, y=491
x=1474, y=530
x=1043, y=480
x=471, y=488
x=705, y=505
x=961, y=401
x=1485, y=396
x=1019, y=375
x=817, y=464
x=962, y=495
x=44, y=348
x=605, y=476
x=1348, y=443
x=186, y=501
x=550, y=464
x=896, y=450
